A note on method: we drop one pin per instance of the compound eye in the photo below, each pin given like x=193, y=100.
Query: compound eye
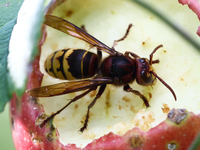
x=143, y=75
x=147, y=77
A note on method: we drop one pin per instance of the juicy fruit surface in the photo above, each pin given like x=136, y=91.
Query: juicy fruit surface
x=116, y=112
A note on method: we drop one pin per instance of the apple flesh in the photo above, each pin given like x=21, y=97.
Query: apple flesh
x=119, y=119
x=24, y=113
x=178, y=131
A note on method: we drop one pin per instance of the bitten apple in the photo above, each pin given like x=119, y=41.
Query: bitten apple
x=118, y=120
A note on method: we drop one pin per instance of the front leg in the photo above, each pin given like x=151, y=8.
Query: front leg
x=127, y=88
x=132, y=54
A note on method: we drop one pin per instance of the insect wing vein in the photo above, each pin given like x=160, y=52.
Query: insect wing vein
x=69, y=28
x=67, y=87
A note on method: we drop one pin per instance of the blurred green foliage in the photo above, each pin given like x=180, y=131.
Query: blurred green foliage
x=6, y=141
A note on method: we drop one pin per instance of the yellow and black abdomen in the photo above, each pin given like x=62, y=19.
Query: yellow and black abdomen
x=70, y=64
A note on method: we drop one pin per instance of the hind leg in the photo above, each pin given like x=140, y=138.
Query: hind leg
x=121, y=39
x=59, y=111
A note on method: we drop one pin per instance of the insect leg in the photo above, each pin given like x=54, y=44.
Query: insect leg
x=132, y=54
x=127, y=88
x=100, y=92
x=151, y=55
x=126, y=34
x=73, y=100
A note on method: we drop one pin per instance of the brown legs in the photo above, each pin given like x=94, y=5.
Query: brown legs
x=126, y=34
x=100, y=92
x=127, y=88
x=73, y=100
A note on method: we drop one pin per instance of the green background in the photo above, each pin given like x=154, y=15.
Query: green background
x=6, y=142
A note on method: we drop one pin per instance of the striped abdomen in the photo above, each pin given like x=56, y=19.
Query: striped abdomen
x=71, y=64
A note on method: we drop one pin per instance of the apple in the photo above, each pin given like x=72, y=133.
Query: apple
x=118, y=120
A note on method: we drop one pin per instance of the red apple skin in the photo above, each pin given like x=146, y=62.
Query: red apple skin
x=24, y=111
x=194, y=5
x=26, y=135
x=164, y=136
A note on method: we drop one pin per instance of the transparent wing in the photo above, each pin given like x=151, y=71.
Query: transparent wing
x=71, y=29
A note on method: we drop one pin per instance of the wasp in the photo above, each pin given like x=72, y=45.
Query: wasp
x=86, y=71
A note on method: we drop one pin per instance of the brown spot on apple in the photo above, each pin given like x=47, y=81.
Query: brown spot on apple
x=165, y=108
x=120, y=107
x=115, y=116
x=150, y=95
x=132, y=108
x=54, y=46
x=177, y=115
x=93, y=93
x=126, y=99
x=40, y=119
x=69, y=13
x=76, y=106
x=136, y=141
x=50, y=136
x=108, y=104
